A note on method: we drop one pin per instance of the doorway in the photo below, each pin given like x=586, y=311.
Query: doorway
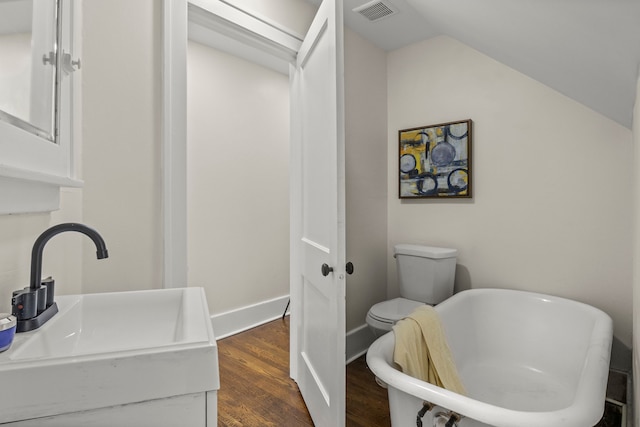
x=237, y=178
x=367, y=154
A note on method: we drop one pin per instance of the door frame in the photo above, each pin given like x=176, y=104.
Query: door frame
x=235, y=23
x=174, y=143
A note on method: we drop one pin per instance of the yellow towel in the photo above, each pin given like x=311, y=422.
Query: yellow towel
x=421, y=350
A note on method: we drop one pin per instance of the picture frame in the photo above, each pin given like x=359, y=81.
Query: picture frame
x=435, y=161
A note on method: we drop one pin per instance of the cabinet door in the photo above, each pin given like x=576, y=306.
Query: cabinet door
x=37, y=162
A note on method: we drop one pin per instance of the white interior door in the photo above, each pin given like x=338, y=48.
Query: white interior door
x=318, y=219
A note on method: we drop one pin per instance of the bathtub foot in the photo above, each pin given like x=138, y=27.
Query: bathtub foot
x=453, y=420
x=448, y=419
x=426, y=407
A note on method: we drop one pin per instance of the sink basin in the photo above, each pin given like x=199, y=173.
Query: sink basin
x=109, y=349
x=104, y=323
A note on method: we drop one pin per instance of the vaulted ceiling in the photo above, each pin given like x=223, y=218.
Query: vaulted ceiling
x=589, y=50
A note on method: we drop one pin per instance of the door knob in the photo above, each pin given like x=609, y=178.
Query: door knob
x=349, y=268
x=326, y=270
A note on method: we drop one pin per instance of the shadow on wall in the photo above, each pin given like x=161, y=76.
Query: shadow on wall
x=463, y=279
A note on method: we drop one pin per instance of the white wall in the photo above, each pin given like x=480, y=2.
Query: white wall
x=366, y=172
x=552, y=209
x=121, y=153
x=61, y=258
x=237, y=179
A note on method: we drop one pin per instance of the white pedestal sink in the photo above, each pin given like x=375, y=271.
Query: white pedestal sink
x=144, y=356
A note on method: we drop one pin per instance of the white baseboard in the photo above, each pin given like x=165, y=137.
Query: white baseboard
x=358, y=342
x=244, y=318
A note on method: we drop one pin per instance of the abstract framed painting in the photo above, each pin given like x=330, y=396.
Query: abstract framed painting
x=435, y=161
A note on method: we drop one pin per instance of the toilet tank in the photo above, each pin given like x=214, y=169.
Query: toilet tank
x=425, y=273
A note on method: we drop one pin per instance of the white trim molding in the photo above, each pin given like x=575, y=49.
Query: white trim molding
x=174, y=143
x=244, y=318
x=358, y=342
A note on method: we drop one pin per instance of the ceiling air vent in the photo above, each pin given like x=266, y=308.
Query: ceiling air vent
x=376, y=10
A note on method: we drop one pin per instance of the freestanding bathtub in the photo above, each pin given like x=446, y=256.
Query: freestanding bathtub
x=526, y=360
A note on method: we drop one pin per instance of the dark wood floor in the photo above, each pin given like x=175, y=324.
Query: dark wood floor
x=255, y=388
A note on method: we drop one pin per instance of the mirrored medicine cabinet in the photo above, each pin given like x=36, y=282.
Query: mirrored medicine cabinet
x=38, y=74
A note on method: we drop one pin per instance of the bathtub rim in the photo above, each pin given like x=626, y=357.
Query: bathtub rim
x=581, y=412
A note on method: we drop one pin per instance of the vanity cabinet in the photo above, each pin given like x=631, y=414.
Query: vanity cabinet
x=154, y=363
x=189, y=410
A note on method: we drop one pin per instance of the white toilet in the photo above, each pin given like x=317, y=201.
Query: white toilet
x=425, y=275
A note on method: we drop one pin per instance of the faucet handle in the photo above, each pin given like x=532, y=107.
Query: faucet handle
x=41, y=298
x=50, y=285
x=23, y=304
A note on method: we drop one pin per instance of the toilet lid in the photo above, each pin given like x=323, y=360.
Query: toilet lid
x=393, y=310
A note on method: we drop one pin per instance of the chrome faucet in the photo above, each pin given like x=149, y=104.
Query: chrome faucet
x=34, y=305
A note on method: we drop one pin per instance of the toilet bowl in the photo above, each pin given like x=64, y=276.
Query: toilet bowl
x=426, y=276
x=383, y=315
